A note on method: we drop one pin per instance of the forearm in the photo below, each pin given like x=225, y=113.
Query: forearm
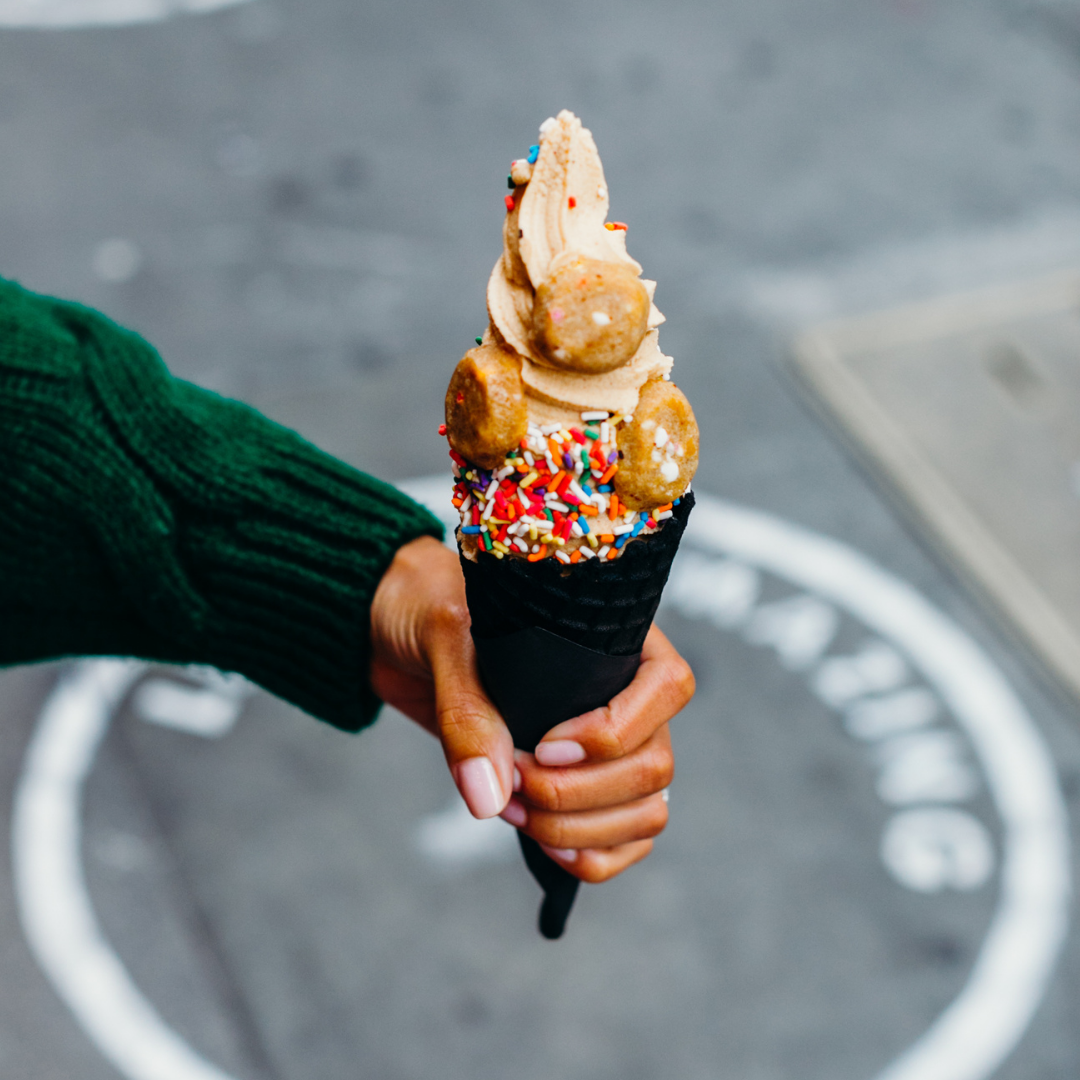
x=147, y=517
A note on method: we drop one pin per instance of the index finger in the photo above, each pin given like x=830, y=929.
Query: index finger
x=475, y=739
x=662, y=685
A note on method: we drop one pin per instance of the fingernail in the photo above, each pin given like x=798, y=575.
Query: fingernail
x=517, y=779
x=479, y=787
x=515, y=813
x=560, y=752
x=562, y=854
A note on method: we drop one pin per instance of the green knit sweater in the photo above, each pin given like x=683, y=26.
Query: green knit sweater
x=143, y=516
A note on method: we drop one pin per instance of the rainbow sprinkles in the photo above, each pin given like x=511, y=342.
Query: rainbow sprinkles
x=571, y=353
x=553, y=496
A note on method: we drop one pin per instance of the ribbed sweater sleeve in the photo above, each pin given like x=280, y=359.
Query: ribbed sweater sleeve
x=143, y=516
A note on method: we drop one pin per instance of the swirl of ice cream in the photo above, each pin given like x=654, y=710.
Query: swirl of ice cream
x=558, y=214
x=568, y=438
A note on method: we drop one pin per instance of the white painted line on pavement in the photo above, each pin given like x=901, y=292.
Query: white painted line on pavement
x=210, y=708
x=937, y=847
x=983, y=1025
x=453, y=838
x=968, y=1041
x=68, y=14
x=54, y=905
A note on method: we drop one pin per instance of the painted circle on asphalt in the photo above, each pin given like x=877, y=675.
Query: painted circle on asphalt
x=67, y=14
x=893, y=693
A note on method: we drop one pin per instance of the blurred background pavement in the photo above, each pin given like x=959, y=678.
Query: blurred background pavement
x=299, y=204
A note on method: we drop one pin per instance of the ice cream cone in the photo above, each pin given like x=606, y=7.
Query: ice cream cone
x=553, y=644
x=573, y=454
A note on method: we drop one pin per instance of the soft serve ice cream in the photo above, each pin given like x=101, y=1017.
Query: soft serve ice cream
x=569, y=440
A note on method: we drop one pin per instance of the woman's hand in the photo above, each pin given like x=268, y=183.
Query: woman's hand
x=593, y=794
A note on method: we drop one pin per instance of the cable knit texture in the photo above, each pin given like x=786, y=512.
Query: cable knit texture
x=143, y=516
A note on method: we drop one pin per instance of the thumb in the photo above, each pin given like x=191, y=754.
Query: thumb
x=477, y=744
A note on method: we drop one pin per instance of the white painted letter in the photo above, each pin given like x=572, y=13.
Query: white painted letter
x=937, y=848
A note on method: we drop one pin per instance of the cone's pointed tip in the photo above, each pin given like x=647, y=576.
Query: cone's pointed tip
x=550, y=923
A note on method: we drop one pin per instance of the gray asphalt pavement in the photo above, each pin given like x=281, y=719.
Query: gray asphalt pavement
x=299, y=203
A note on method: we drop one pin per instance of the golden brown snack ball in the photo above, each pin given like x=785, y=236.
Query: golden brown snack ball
x=658, y=449
x=486, y=416
x=590, y=315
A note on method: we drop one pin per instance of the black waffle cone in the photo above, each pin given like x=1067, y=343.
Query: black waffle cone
x=604, y=605
x=599, y=613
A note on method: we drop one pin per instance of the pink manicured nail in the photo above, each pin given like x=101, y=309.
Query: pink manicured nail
x=479, y=787
x=560, y=752
x=515, y=813
x=517, y=779
x=562, y=854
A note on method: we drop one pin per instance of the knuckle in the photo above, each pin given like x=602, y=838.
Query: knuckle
x=462, y=724
x=655, y=771
x=596, y=867
x=545, y=831
x=654, y=818
x=463, y=711
x=556, y=834
x=665, y=770
x=610, y=739
x=543, y=792
x=592, y=871
x=682, y=681
x=449, y=615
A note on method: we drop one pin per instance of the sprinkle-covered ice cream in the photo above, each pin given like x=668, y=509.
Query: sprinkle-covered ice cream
x=569, y=439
